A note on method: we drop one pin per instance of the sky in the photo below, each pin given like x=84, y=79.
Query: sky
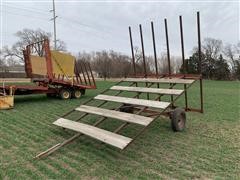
x=103, y=25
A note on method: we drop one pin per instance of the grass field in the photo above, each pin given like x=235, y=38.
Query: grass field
x=208, y=148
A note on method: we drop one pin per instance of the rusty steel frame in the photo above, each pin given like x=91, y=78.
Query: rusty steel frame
x=144, y=109
x=185, y=75
x=168, y=50
x=132, y=50
x=51, y=82
x=200, y=59
x=102, y=119
x=51, y=78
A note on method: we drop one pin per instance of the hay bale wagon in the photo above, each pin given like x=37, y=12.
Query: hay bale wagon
x=54, y=73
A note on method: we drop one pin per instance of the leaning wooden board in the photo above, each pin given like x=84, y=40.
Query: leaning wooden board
x=148, y=90
x=94, y=132
x=132, y=118
x=134, y=101
x=161, y=80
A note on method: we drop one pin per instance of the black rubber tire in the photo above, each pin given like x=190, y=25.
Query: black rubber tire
x=65, y=94
x=178, y=119
x=76, y=93
x=126, y=108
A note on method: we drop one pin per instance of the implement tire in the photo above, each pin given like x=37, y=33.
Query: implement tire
x=76, y=93
x=65, y=94
x=178, y=119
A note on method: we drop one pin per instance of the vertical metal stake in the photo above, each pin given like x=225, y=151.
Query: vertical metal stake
x=168, y=57
x=200, y=60
x=183, y=61
x=143, y=54
x=168, y=51
x=133, y=56
x=154, y=50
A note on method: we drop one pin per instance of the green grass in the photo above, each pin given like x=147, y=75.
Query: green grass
x=208, y=148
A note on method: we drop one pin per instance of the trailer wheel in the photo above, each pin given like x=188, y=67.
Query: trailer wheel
x=65, y=94
x=178, y=119
x=76, y=93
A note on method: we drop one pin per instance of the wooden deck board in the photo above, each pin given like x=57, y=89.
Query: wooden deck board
x=108, y=137
x=161, y=80
x=132, y=118
x=134, y=101
x=148, y=90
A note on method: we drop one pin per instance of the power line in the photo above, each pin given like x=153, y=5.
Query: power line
x=27, y=9
x=14, y=13
x=65, y=18
x=43, y=19
x=102, y=30
x=69, y=20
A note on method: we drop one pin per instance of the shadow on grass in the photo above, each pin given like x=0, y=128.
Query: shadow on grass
x=44, y=98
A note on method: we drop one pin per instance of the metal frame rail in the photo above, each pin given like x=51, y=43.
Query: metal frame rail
x=138, y=110
x=145, y=110
x=184, y=64
x=83, y=74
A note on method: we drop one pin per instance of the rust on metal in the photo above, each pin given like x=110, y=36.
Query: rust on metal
x=138, y=109
x=184, y=65
x=200, y=59
x=143, y=52
x=48, y=60
x=132, y=50
x=182, y=45
x=154, y=49
x=168, y=50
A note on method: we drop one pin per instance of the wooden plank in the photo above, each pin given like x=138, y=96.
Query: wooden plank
x=161, y=80
x=148, y=90
x=108, y=137
x=132, y=118
x=134, y=101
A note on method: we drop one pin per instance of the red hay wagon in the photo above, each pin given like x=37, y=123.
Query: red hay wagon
x=53, y=73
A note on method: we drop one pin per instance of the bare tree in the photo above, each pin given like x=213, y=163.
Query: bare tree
x=1, y=58
x=137, y=54
x=212, y=47
x=102, y=64
x=176, y=64
x=232, y=53
x=229, y=51
x=28, y=36
x=163, y=63
x=211, y=50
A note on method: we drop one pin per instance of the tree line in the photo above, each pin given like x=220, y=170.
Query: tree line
x=219, y=61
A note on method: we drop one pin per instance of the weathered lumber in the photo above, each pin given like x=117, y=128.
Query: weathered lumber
x=148, y=90
x=161, y=80
x=134, y=101
x=108, y=137
x=132, y=118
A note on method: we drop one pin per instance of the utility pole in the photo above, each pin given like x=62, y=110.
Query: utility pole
x=54, y=25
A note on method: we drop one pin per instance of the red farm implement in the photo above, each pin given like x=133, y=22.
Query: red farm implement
x=54, y=73
x=135, y=102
